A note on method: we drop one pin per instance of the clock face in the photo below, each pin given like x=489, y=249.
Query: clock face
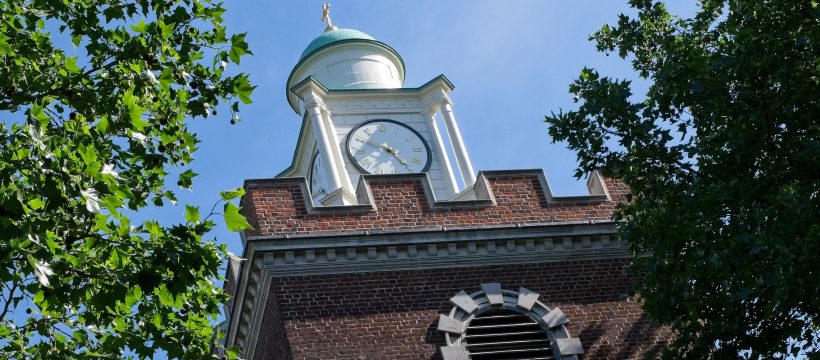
x=387, y=147
x=318, y=178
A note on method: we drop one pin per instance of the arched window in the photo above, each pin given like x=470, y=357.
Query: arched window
x=504, y=325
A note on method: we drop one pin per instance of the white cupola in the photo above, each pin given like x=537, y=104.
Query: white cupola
x=344, y=59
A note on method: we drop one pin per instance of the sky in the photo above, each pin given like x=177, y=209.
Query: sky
x=511, y=63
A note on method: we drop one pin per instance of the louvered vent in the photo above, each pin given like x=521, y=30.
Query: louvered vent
x=506, y=335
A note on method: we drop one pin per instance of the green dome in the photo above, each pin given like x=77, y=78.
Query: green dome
x=334, y=36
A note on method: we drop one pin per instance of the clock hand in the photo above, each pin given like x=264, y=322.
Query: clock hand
x=395, y=153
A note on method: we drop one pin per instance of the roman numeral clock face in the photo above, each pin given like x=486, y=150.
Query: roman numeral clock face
x=388, y=147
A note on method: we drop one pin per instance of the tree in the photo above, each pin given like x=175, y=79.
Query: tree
x=722, y=155
x=96, y=98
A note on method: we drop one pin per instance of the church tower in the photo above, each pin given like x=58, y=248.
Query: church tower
x=381, y=242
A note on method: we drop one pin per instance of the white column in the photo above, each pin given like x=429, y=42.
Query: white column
x=441, y=152
x=323, y=143
x=459, y=150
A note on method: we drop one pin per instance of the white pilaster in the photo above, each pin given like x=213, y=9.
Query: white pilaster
x=337, y=153
x=314, y=107
x=459, y=150
x=441, y=152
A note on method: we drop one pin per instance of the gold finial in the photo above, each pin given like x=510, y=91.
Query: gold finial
x=326, y=17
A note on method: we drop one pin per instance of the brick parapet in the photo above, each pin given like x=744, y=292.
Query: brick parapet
x=281, y=207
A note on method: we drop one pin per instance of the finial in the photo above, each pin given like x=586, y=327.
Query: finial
x=326, y=18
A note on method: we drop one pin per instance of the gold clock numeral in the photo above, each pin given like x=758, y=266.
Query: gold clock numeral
x=416, y=149
x=382, y=128
x=360, y=139
x=417, y=161
x=368, y=131
x=366, y=162
x=359, y=152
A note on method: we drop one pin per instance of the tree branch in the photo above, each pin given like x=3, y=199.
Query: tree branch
x=8, y=300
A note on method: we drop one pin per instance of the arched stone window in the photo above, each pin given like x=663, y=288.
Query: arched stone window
x=504, y=325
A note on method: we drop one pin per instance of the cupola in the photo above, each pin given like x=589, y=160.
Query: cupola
x=346, y=59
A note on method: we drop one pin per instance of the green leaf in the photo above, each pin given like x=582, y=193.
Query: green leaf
x=153, y=228
x=52, y=245
x=38, y=112
x=139, y=27
x=238, y=47
x=243, y=89
x=191, y=214
x=233, y=219
x=113, y=12
x=166, y=29
x=186, y=179
x=39, y=296
x=135, y=111
x=133, y=296
x=5, y=48
x=35, y=203
x=118, y=259
x=165, y=297
x=232, y=353
x=71, y=64
x=103, y=125
x=88, y=153
x=232, y=194
x=166, y=78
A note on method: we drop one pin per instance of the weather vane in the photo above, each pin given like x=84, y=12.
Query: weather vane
x=326, y=17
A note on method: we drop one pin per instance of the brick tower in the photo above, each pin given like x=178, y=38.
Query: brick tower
x=422, y=258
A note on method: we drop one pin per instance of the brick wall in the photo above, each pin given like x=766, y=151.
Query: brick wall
x=277, y=208
x=393, y=315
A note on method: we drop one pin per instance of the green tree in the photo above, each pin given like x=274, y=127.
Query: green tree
x=722, y=154
x=96, y=98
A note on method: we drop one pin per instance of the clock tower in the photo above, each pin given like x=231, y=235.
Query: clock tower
x=381, y=242
x=358, y=118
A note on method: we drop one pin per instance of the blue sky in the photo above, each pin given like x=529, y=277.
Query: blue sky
x=511, y=63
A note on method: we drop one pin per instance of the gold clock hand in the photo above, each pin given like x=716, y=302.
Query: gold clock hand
x=395, y=153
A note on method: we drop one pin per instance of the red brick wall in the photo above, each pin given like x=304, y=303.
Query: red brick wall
x=393, y=315
x=273, y=342
x=276, y=208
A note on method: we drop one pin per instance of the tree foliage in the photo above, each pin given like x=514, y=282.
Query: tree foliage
x=96, y=98
x=722, y=154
